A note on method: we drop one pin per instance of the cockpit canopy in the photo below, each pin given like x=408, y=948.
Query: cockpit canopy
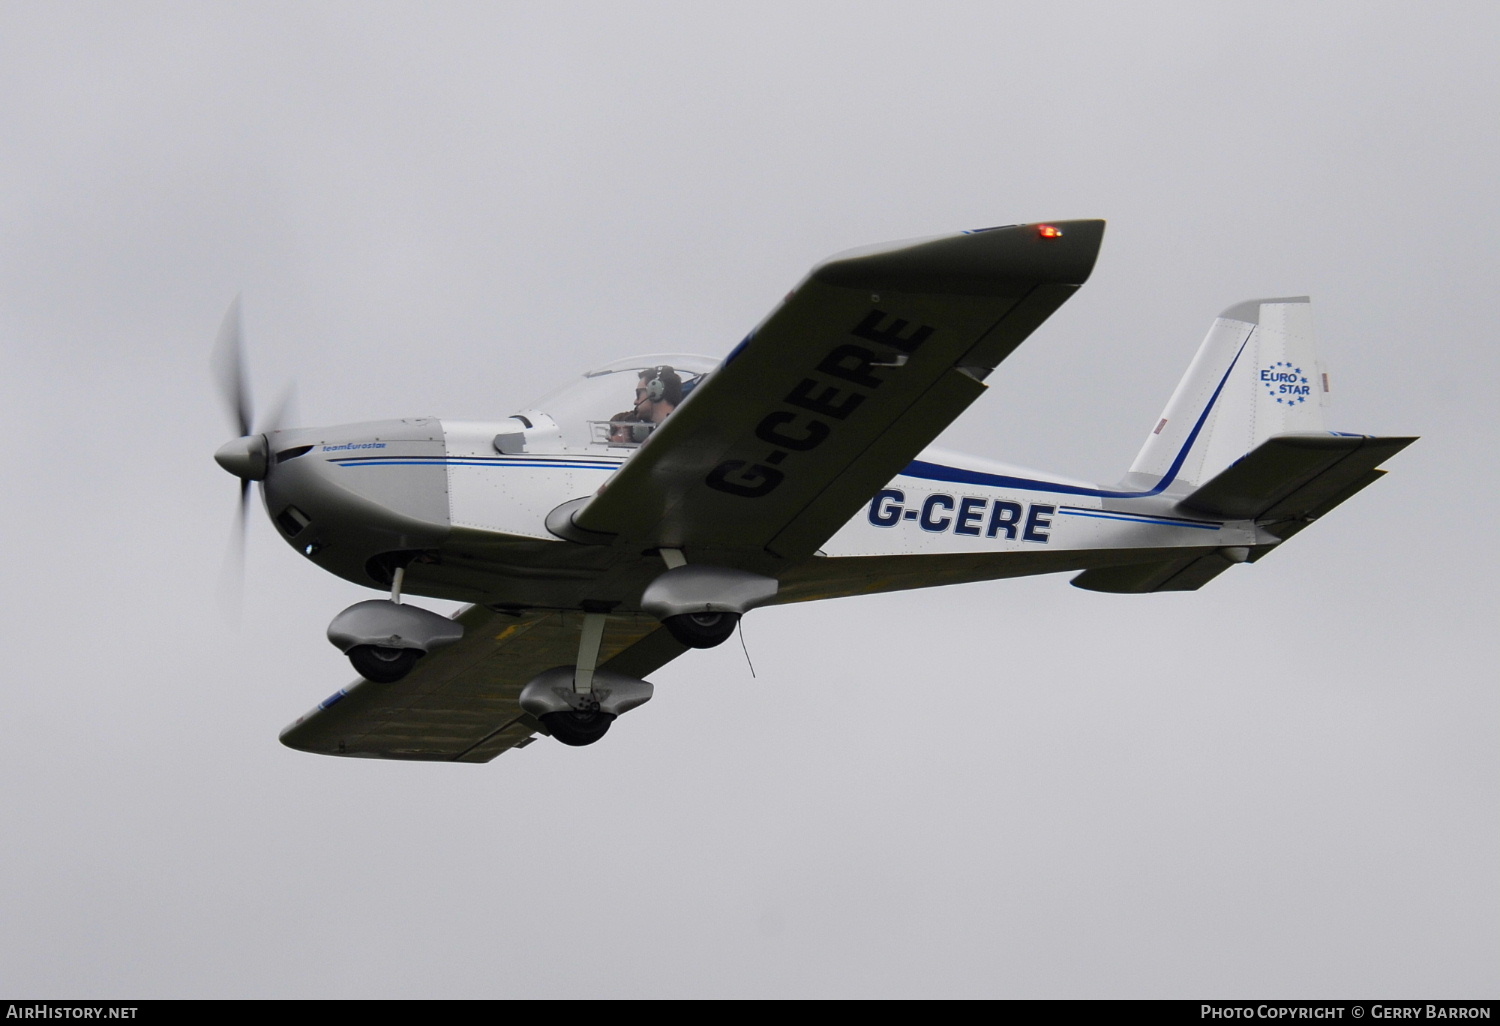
x=616, y=406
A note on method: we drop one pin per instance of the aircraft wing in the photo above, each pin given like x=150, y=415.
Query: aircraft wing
x=461, y=702
x=839, y=389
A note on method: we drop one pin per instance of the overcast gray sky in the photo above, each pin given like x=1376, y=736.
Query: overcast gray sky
x=1286, y=784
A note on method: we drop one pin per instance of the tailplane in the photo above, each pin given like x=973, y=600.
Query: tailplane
x=1243, y=438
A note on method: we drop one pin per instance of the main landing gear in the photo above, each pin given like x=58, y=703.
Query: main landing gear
x=576, y=704
x=577, y=728
x=383, y=664
x=701, y=605
x=702, y=630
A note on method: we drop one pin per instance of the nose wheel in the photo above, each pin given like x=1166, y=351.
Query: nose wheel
x=384, y=639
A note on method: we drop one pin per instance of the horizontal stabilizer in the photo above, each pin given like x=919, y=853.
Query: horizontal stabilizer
x=1286, y=482
x=1186, y=574
x=1293, y=477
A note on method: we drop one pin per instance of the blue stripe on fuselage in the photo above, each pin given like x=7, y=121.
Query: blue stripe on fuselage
x=937, y=472
x=1099, y=514
x=473, y=461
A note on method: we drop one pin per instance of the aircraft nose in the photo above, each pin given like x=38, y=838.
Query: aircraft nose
x=245, y=458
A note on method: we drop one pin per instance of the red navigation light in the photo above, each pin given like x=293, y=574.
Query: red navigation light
x=1049, y=231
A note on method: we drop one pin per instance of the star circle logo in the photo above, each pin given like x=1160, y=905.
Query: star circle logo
x=1285, y=383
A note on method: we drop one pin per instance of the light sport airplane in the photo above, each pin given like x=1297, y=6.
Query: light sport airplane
x=596, y=544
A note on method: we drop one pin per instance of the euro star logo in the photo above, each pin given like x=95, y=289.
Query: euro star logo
x=1285, y=383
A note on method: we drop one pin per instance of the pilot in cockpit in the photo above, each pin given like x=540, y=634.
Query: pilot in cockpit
x=657, y=394
x=658, y=391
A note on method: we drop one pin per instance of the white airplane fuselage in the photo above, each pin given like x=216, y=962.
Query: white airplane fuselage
x=356, y=499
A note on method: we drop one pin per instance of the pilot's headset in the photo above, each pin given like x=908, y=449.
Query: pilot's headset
x=663, y=384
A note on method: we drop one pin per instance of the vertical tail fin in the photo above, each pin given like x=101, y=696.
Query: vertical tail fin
x=1256, y=375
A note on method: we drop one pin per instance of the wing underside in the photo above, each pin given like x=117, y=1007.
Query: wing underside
x=860, y=369
x=461, y=703
x=843, y=576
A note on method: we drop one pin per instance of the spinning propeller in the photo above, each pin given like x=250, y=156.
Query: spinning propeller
x=247, y=456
